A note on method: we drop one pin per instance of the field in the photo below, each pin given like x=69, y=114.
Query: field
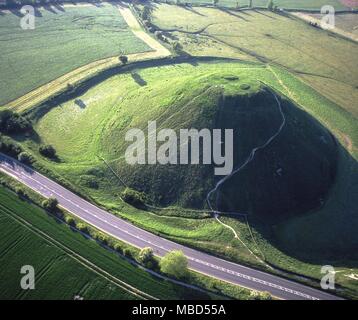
x=286, y=4
x=66, y=263
x=269, y=38
x=88, y=128
x=65, y=38
x=315, y=75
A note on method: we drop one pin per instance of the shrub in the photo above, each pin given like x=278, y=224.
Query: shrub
x=50, y=204
x=127, y=253
x=82, y=227
x=20, y=192
x=48, y=151
x=118, y=247
x=133, y=197
x=175, y=264
x=146, y=258
x=89, y=181
x=24, y=157
x=123, y=59
x=10, y=148
x=256, y=295
x=11, y=122
x=69, y=220
x=102, y=238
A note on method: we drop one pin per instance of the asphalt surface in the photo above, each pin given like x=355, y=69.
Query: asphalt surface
x=122, y=230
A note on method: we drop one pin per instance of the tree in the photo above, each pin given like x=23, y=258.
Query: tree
x=175, y=264
x=24, y=157
x=20, y=192
x=133, y=197
x=146, y=258
x=215, y=2
x=50, y=204
x=123, y=59
x=250, y=4
x=256, y=295
x=48, y=151
x=11, y=122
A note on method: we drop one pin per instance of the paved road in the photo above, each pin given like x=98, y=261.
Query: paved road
x=122, y=230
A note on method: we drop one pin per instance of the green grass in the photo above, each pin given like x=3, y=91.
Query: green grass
x=59, y=274
x=323, y=60
x=63, y=40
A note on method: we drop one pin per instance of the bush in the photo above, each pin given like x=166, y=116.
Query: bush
x=11, y=122
x=175, y=264
x=69, y=220
x=82, y=227
x=133, y=197
x=123, y=59
x=20, y=192
x=89, y=181
x=102, y=238
x=10, y=148
x=118, y=247
x=24, y=157
x=146, y=258
x=48, y=151
x=50, y=204
x=256, y=295
x=127, y=253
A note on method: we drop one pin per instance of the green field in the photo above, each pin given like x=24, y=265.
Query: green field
x=286, y=4
x=64, y=38
x=325, y=61
x=66, y=263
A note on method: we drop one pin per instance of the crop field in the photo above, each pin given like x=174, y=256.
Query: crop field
x=66, y=263
x=270, y=38
x=286, y=4
x=65, y=38
x=87, y=128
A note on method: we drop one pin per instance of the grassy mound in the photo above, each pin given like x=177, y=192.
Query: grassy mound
x=292, y=174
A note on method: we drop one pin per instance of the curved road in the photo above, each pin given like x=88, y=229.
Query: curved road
x=122, y=230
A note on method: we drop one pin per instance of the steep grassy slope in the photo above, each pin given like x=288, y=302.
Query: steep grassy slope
x=294, y=174
x=64, y=39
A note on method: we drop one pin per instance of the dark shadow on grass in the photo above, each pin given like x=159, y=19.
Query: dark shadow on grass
x=16, y=12
x=50, y=9
x=232, y=13
x=264, y=14
x=59, y=7
x=80, y=103
x=138, y=79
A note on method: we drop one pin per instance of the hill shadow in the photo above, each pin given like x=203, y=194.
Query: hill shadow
x=138, y=79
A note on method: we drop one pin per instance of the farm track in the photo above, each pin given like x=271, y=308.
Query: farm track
x=48, y=90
